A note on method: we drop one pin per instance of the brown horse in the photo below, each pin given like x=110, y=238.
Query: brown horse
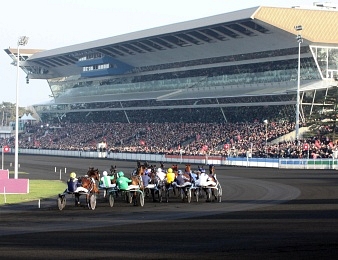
x=93, y=173
x=211, y=177
x=153, y=176
x=156, y=182
x=89, y=183
x=89, y=180
x=187, y=173
x=175, y=168
x=136, y=179
x=212, y=174
x=113, y=172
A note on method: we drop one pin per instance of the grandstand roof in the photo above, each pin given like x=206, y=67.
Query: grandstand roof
x=246, y=31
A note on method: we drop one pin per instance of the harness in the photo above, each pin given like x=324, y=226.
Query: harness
x=91, y=183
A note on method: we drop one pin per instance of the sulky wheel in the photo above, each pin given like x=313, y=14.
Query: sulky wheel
x=141, y=199
x=111, y=200
x=219, y=194
x=130, y=197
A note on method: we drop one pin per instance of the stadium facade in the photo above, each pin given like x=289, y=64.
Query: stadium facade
x=201, y=69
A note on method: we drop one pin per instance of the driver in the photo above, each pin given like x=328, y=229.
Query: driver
x=122, y=181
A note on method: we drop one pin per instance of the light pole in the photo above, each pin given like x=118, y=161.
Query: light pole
x=3, y=115
x=299, y=38
x=22, y=41
x=266, y=136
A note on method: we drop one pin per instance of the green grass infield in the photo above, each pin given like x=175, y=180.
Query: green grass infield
x=38, y=189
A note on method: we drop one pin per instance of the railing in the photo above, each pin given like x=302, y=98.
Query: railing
x=283, y=163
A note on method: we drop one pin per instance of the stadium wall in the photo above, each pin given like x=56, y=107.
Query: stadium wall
x=281, y=163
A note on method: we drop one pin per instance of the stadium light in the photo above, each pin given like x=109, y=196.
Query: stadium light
x=266, y=136
x=299, y=38
x=22, y=41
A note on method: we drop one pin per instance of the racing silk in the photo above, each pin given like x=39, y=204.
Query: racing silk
x=72, y=184
x=180, y=180
x=123, y=182
x=203, y=179
x=161, y=175
x=145, y=180
x=170, y=177
x=193, y=176
x=106, y=181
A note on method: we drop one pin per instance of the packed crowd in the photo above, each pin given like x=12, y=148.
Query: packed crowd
x=224, y=139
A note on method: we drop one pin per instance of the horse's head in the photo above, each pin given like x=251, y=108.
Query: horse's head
x=174, y=167
x=211, y=169
x=113, y=169
x=93, y=173
x=153, y=175
x=137, y=180
x=162, y=165
x=198, y=173
x=187, y=168
x=140, y=170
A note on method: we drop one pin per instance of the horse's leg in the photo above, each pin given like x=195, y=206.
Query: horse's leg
x=77, y=199
x=135, y=198
x=214, y=194
x=87, y=200
x=208, y=192
x=153, y=194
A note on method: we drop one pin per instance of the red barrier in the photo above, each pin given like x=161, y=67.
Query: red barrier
x=12, y=186
x=4, y=174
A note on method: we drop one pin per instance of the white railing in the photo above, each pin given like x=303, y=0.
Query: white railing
x=283, y=163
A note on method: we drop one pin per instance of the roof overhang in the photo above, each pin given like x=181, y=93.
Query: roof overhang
x=251, y=30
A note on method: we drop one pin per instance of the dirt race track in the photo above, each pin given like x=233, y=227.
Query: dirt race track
x=264, y=213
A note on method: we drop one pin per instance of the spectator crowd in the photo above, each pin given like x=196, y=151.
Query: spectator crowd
x=239, y=139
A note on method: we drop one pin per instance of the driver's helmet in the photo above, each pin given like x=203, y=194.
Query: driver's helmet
x=169, y=170
x=105, y=173
x=72, y=175
x=120, y=174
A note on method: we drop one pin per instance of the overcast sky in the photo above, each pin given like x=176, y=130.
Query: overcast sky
x=52, y=24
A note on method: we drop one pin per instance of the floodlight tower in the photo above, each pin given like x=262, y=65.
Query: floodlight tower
x=22, y=41
x=299, y=38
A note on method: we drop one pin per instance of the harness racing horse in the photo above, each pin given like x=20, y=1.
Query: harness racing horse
x=212, y=174
x=184, y=181
x=155, y=184
x=89, y=183
x=174, y=167
x=113, y=172
x=136, y=180
x=211, y=181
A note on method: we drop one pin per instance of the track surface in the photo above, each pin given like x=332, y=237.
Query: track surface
x=265, y=213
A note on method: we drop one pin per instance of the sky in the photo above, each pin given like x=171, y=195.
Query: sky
x=51, y=24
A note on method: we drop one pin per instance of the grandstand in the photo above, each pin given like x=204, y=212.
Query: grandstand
x=218, y=68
